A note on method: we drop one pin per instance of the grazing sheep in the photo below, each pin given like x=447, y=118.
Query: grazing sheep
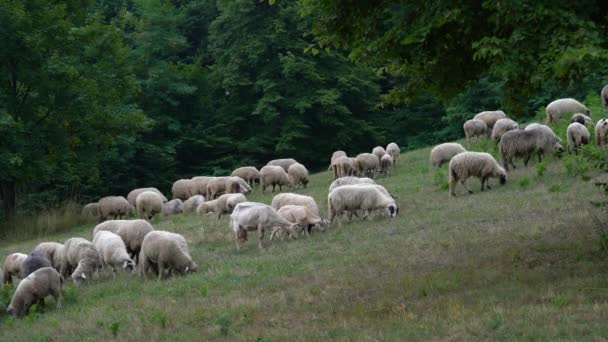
x=351, y=198
x=273, y=175
x=578, y=135
x=90, y=210
x=164, y=253
x=604, y=96
x=198, y=185
x=249, y=173
x=237, y=185
x=559, y=107
x=182, y=189
x=297, y=174
x=337, y=155
x=33, y=289
x=132, y=233
x=115, y=206
x=350, y=181
x=215, y=187
x=475, y=128
x=288, y=198
x=33, y=262
x=251, y=216
x=502, y=126
x=474, y=164
x=523, y=143
x=113, y=251
x=12, y=266
x=148, y=203
x=222, y=205
x=601, y=132
x=332, y=165
x=53, y=251
x=379, y=151
x=173, y=207
x=394, y=151
x=582, y=119
x=367, y=164
x=490, y=117
x=132, y=196
x=386, y=164
x=80, y=259
x=301, y=215
x=443, y=153
x=284, y=163
x=192, y=203
x=344, y=167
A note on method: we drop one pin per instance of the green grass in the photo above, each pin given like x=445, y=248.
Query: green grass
x=520, y=261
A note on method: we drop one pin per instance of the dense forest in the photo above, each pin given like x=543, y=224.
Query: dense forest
x=98, y=97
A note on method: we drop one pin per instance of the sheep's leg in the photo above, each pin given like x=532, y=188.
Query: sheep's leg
x=309, y=229
x=260, y=235
x=274, y=232
x=238, y=243
x=483, y=181
x=527, y=160
x=57, y=296
x=161, y=269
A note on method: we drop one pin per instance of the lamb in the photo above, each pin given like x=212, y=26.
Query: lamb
x=33, y=262
x=237, y=185
x=163, y=253
x=367, y=164
x=582, y=119
x=12, y=266
x=474, y=164
x=53, y=251
x=351, y=198
x=192, y=203
x=394, y=151
x=132, y=196
x=490, y=117
x=578, y=135
x=301, y=215
x=249, y=173
x=113, y=251
x=132, y=233
x=297, y=174
x=523, y=143
x=250, y=216
x=284, y=163
x=222, y=205
x=601, y=132
x=148, y=203
x=273, y=175
x=386, y=164
x=350, y=181
x=443, y=153
x=33, y=289
x=559, y=107
x=215, y=187
x=80, y=259
x=502, y=126
x=90, y=209
x=173, y=207
x=475, y=128
x=379, y=151
x=344, y=167
x=287, y=198
x=604, y=96
x=115, y=206
x=182, y=189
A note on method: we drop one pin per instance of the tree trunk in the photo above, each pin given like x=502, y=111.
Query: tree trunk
x=8, y=196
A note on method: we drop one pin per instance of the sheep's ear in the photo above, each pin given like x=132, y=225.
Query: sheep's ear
x=125, y=264
x=187, y=269
x=394, y=196
x=83, y=276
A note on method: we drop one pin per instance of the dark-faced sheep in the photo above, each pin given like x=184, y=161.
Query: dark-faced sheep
x=34, y=261
x=524, y=143
x=582, y=119
x=559, y=107
x=33, y=289
x=490, y=117
x=474, y=164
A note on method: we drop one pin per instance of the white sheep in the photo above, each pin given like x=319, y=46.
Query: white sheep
x=33, y=289
x=490, y=117
x=53, y=251
x=249, y=173
x=192, y=203
x=443, y=153
x=559, y=107
x=148, y=204
x=237, y=185
x=297, y=174
x=132, y=196
x=215, y=187
x=198, y=185
x=386, y=164
x=332, y=165
x=601, y=132
x=524, y=143
x=394, y=150
x=12, y=266
x=352, y=198
x=90, y=209
x=273, y=175
x=164, y=253
x=604, y=96
x=474, y=164
x=350, y=181
x=379, y=152
x=251, y=216
x=301, y=215
x=222, y=205
x=367, y=164
x=343, y=167
x=34, y=261
x=113, y=251
x=502, y=126
x=132, y=233
x=284, y=163
x=115, y=206
x=577, y=135
x=182, y=189
x=173, y=207
x=287, y=198
x=475, y=128
x=80, y=259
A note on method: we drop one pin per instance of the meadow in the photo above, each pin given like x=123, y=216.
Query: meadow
x=520, y=261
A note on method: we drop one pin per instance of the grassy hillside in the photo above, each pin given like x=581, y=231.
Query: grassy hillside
x=518, y=261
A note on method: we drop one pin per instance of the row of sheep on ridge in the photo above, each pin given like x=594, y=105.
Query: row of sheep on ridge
x=515, y=142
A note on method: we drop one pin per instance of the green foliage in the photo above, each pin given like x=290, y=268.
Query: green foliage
x=224, y=321
x=541, y=168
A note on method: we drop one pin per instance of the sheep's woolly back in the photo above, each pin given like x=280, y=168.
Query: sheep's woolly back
x=502, y=126
x=112, y=249
x=207, y=207
x=604, y=96
x=299, y=214
x=474, y=164
x=442, y=153
x=91, y=209
x=490, y=117
x=582, y=119
x=522, y=143
x=167, y=249
x=53, y=251
x=273, y=175
x=359, y=197
x=248, y=215
x=198, y=185
x=601, y=132
x=337, y=155
x=81, y=256
x=344, y=166
x=350, y=181
x=379, y=152
x=132, y=196
x=227, y=202
x=287, y=198
x=113, y=205
x=559, y=107
x=367, y=162
x=173, y=207
x=12, y=266
x=386, y=163
x=248, y=173
x=148, y=203
x=215, y=187
x=577, y=135
x=181, y=189
x=43, y=282
x=545, y=130
x=394, y=150
x=475, y=128
x=236, y=184
x=283, y=163
x=297, y=174
x=192, y=203
x=33, y=262
x=132, y=232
